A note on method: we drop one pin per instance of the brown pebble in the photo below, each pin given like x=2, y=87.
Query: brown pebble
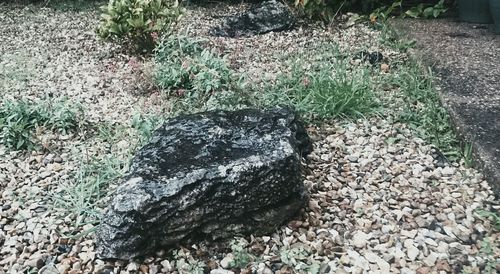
x=246, y=271
x=423, y=270
x=212, y=264
x=443, y=265
x=295, y=224
x=144, y=268
x=63, y=241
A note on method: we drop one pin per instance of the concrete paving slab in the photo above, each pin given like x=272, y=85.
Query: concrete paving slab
x=466, y=58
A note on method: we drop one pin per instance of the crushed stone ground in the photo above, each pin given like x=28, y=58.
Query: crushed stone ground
x=376, y=205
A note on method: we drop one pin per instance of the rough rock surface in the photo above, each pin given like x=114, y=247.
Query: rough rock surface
x=213, y=174
x=262, y=18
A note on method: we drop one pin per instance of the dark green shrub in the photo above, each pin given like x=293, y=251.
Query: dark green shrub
x=421, y=10
x=137, y=22
x=326, y=9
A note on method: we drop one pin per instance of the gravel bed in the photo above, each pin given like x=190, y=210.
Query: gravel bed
x=377, y=205
x=260, y=58
x=48, y=53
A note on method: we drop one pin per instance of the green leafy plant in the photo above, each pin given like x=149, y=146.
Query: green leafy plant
x=145, y=125
x=61, y=116
x=186, y=69
x=295, y=258
x=488, y=254
x=138, y=22
x=109, y=132
x=186, y=264
x=494, y=217
x=81, y=197
x=378, y=10
x=327, y=89
x=20, y=118
x=467, y=153
x=241, y=256
x=384, y=12
x=423, y=11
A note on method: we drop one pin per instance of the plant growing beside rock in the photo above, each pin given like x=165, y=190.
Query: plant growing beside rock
x=80, y=199
x=138, y=23
x=423, y=110
x=145, y=124
x=241, y=257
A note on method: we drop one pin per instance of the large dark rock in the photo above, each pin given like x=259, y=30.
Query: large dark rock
x=210, y=175
x=264, y=17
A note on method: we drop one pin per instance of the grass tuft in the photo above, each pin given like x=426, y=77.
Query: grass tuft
x=422, y=109
x=19, y=119
x=327, y=92
x=80, y=199
x=145, y=125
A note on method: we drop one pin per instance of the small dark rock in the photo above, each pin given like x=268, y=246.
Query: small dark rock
x=375, y=58
x=40, y=263
x=435, y=226
x=61, y=249
x=372, y=57
x=211, y=175
x=262, y=18
x=440, y=159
